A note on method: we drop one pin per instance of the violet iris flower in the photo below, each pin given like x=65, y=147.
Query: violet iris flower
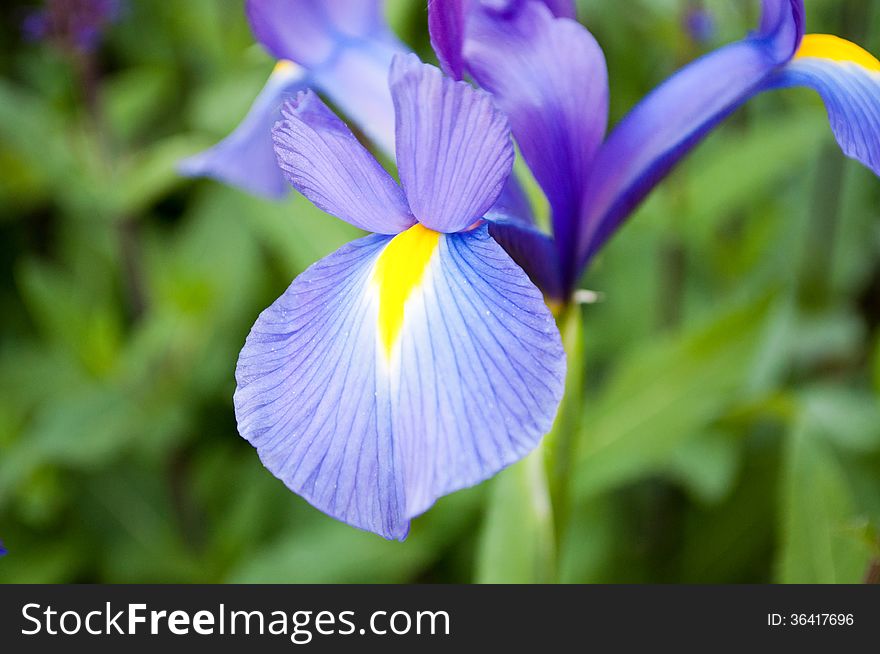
x=420, y=359
x=548, y=75
x=343, y=48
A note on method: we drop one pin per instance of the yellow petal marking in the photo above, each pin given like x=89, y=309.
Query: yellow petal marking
x=283, y=65
x=828, y=46
x=399, y=270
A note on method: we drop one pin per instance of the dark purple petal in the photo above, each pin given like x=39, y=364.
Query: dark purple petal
x=446, y=26
x=512, y=204
x=676, y=116
x=246, y=158
x=447, y=23
x=782, y=26
x=324, y=161
x=454, y=151
x=548, y=75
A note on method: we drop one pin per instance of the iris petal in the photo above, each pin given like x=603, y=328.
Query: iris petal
x=447, y=23
x=676, y=116
x=549, y=76
x=347, y=48
x=371, y=436
x=849, y=84
x=454, y=151
x=535, y=252
x=245, y=158
x=446, y=26
x=324, y=161
x=309, y=31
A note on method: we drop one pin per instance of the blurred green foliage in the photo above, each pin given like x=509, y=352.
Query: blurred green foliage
x=728, y=427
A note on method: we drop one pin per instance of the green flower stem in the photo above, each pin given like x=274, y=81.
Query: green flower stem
x=529, y=502
x=518, y=541
x=560, y=442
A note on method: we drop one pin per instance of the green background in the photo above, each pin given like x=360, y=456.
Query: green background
x=728, y=429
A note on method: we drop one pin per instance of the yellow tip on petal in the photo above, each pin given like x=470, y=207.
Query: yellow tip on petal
x=828, y=46
x=399, y=270
x=283, y=65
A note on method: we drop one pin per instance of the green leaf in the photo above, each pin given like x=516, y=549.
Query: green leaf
x=737, y=166
x=517, y=544
x=151, y=174
x=849, y=418
x=707, y=466
x=821, y=534
x=664, y=395
x=877, y=368
x=131, y=98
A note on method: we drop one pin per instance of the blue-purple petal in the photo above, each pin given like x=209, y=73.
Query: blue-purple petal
x=454, y=151
x=549, y=76
x=476, y=381
x=446, y=27
x=309, y=32
x=245, y=159
x=447, y=20
x=356, y=80
x=324, y=161
x=534, y=252
x=852, y=97
x=782, y=26
x=347, y=48
x=676, y=116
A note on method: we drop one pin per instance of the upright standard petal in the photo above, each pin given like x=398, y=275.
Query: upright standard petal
x=324, y=161
x=549, y=77
x=677, y=115
x=447, y=20
x=399, y=370
x=245, y=158
x=848, y=80
x=446, y=27
x=454, y=151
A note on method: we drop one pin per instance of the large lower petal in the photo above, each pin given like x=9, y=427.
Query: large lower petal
x=245, y=158
x=848, y=80
x=398, y=370
x=548, y=75
x=454, y=151
x=676, y=116
x=324, y=161
x=534, y=252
